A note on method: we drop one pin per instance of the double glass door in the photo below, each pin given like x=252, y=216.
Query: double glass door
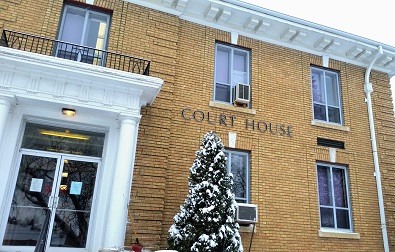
x=52, y=201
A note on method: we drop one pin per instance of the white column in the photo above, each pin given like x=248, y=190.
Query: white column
x=121, y=184
x=5, y=106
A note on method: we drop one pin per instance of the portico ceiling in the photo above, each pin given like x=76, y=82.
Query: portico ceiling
x=276, y=28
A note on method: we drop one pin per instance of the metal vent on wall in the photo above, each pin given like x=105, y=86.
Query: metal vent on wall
x=330, y=143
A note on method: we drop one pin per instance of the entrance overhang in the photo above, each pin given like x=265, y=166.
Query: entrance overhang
x=42, y=80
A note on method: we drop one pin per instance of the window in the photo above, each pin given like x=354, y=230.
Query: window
x=326, y=96
x=333, y=197
x=86, y=28
x=232, y=66
x=238, y=165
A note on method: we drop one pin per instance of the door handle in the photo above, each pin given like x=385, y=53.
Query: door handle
x=50, y=201
x=56, y=200
x=53, y=202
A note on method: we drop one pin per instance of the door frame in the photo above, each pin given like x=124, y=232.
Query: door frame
x=86, y=120
x=56, y=184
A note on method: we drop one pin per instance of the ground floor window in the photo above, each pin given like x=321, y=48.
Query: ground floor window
x=238, y=165
x=333, y=197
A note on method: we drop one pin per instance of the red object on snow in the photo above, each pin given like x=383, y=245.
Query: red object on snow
x=137, y=247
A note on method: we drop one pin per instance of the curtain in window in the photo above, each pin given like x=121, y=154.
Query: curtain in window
x=324, y=186
x=317, y=87
x=97, y=27
x=222, y=66
x=340, y=192
x=239, y=68
x=222, y=85
x=332, y=89
x=73, y=26
x=339, y=188
x=325, y=196
x=332, y=94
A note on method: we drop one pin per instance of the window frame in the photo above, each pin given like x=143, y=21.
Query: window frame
x=333, y=206
x=229, y=153
x=83, y=39
x=325, y=71
x=231, y=49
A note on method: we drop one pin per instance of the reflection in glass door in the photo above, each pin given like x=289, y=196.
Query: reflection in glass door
x=52, y=201
x=31, y=200
x=73, y=203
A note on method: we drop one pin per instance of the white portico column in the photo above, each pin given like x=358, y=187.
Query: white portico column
x=121, y=185
x=5, y=106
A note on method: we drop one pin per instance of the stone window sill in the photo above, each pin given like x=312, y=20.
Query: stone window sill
x=336, y=234
x=330, y=126
x=232, y=108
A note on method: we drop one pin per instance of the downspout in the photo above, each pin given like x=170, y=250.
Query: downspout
x=368, y=88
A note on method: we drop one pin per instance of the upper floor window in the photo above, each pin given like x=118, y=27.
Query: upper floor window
x=86, y=28
x=238, y=165
x=333, y=197
x=232, y=67
x=325, y=88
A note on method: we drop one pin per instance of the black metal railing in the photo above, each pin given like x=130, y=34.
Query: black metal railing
x=65, y=50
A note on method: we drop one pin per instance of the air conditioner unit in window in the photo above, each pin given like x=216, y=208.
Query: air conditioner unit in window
x=241, y=93
x=246, y=213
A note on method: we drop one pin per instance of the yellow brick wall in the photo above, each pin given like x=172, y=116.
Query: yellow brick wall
x=385, y=134
x=283, y=173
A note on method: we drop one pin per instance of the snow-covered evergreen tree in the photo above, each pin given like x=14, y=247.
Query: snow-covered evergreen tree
x=206, y=221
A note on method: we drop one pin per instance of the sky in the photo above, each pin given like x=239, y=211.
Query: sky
x=374, y=20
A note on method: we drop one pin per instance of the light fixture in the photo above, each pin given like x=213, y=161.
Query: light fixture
x=68, y=112
x=66, y=134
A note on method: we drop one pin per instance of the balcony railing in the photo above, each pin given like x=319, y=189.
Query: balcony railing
x=65, y=50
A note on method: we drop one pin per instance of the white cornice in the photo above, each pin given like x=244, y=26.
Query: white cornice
x=276, y=28
x=40, y=78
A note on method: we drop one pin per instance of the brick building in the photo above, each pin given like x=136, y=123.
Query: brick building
x=308, y=141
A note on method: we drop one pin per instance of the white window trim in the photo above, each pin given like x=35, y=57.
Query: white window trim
x=326, y=100
x=335, y=229
x=248, y=65
x=229, y=152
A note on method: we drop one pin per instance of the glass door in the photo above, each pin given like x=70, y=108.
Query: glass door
x=73, y=203
x=52, y=202
x=32, y=200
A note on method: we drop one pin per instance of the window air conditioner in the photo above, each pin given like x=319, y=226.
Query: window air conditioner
x=241, y=93
x=246, y=213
